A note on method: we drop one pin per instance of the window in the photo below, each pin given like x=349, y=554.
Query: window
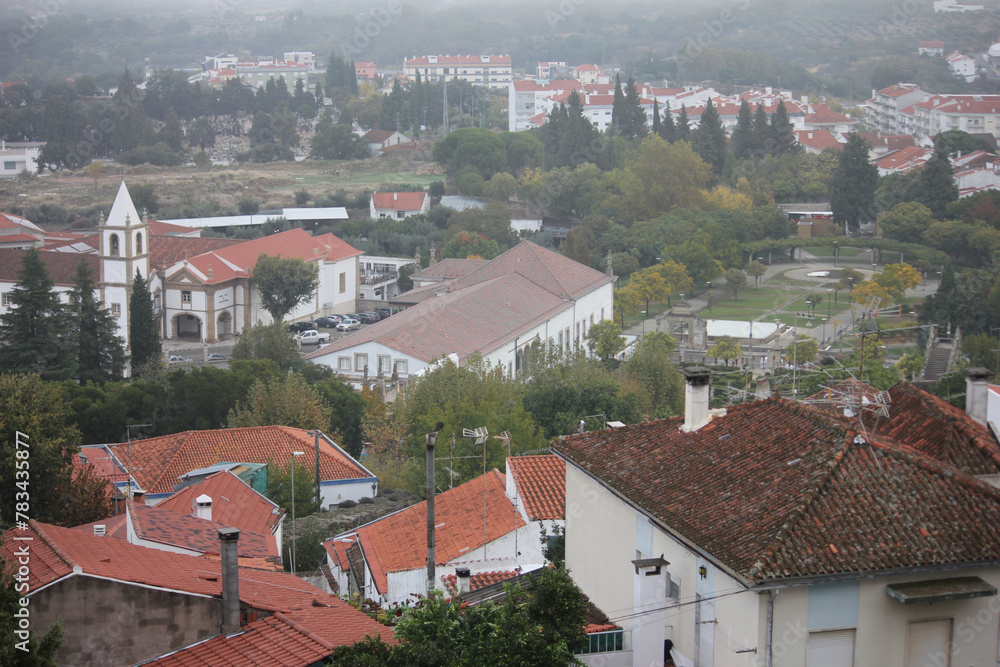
x=5, y=299
x=116, y=309
x=401, y=367
x=560, y=340
x=360, y=362
x=674, y=587
x=9, y=166
x=591, y=319
x=836, y=648
x=602, y=314
x=138, y=243
x=186, y=296
x=343, y=283
x=400, y=214
x=923, y=639
x=344, y=364
x=114, y=245
x=384, y=363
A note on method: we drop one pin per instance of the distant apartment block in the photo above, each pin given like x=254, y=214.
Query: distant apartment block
x=307, y=58
x=885, y=105
x=975, y=114
x=963, y=66
x=365, y=71
x=258, y=72
x=488, y=71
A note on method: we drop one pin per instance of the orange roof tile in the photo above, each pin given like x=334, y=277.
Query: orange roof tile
x=155, y=524
x=399, y=201
x=398, y=542
x=61, y=266
x=234, y=503
x=541, y=484
x=157, y=463
x=477, y=580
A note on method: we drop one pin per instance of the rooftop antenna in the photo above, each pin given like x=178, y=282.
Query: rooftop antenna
x=481, y=435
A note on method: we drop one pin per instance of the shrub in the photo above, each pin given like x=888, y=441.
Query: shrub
x=366, y=501
x=347, y=504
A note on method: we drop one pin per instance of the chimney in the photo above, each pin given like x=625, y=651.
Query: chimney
x=464, y=576
x=649, y=634
x=395, y=196
x=763, y=388
x=697, y=379
x=977, y=384
x=229, y=537
x=204, y=510
x=100, y=529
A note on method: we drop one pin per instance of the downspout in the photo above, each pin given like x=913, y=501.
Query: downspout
x=770, y=628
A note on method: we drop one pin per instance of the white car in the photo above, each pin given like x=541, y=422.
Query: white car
x=177, y=359
x=347, y=324
x=313, y=336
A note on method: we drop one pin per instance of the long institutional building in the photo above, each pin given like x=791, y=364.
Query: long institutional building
x=489, y=71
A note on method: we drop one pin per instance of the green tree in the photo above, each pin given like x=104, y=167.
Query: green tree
x=16, y=651
x=709, y=140
x=782, y=133
x=804, y=350
x=743, y=140
x=279, y=486
x=760, y=134
x=501, y=186
x=756, y=270
x=852, y=190
x=661, y=178
x=130, y=126
x=465, y=245
x=347, y=406
x=471, y=147
x=286, y=401
x=668, y=129
x=338, y=142
x=604, y=339
x=100, y=351
x=957, y=140
x=909, y=366
x=171, y=133
x=283, y=283
x=271, y=342
x=33, y=332
x=633, y=117
x=201, y=133
x=683, y=125
x=650, y=375
x=144, y=335
x=36, y=425
x=935, y=185
x=492, y=222
x=726, y=348
x=735, y=279
x=907, y=221
x=144, y=197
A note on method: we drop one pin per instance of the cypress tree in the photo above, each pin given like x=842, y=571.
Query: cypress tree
x=683, y=126
x=709, y=140
x=852, y=188
x=634, y=121
x=760, y=142
x=100, y=351
x=782, y=132
x=352, y=77
x=743, y=134
x=577, y=134
x=935, y=185
x=668, y=129
x=143, y=332
x=33, y=333
x=618, y=105
x=131, y=127
x=656, y=118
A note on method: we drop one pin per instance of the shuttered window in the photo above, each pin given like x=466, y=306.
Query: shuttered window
x=928, y=643
x=833, y=648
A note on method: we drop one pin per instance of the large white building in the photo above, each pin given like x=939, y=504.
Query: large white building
x=885, y=105
x=485, y=70
x=496, y=308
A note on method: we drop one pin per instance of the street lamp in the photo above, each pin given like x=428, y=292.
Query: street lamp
x=836, y=248
x=824, y=329
x=828, y=291
x=809, y=305
x=643, y=322
x=708, y=293
x=294, y=454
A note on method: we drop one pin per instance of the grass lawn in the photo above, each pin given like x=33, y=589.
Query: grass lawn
x=783, y=279
x=765, y=298
x=731, y=313
x=827, y=251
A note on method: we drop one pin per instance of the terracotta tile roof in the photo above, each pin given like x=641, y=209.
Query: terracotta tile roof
x=940, y=430
x=160, y=228
x=450, y=269
x=477, y=580
x=56, y=552
x=377, y=136
x=541, y=484
x=560, y=275
x=776, y=490
x=61, y=266
x=234, y=503
x=398, y=542
x=905, y=159
x=479, y=318
x=157, y=463
x=165, y=251
x=818, y=139
x=399, y=201
x=152, y=523
x=823, y=114
x=9, y=221
x=898, y=90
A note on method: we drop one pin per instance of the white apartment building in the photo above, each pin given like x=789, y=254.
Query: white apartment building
x=885, y=105
x=963, y=66
x=975, y=114
x=483, y=70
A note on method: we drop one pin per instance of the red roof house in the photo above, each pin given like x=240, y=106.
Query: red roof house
x=398, y=205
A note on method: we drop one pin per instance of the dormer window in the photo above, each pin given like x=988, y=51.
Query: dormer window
x=114, y=245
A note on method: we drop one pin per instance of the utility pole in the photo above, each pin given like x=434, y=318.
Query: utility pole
x=447, y=128
x=431, y=440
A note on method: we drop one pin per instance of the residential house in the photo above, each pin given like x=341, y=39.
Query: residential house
x=490, y=71
x=258, y=72
x=975, y=114
x=930, y=47
x=125, y=604
x=530, y=99
x=817, y=141
x=525, y=296
x=963, y=66
x=19, y=157
x=883, y=145
x=158, y=463
x=307, y=58
x=904, y=160
x=822, y=117
x=398, y=205
x=589, y=74
x=61, y=267
x=552, y=70
x=379, y=140
x=490, y=527
x=885, y=105
x=19, y=233
x=365, y=70
x=380, y=277
x=782, y=533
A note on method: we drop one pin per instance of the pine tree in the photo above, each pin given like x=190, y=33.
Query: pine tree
x=709, y=140
x=935, y=184
x=131, y=127
x=782, y=132
x=743, y=133
x=634, y=117
x=656, y=118
x=852, y=188
x=577, y=134
x=352, y=77
x=100, y=351
x=171, y=133
x=760, y=142
x=143, y=333
x=33, y=335
x=318, y=94
x=668, y=129
x=618, y=105
x=683, y=125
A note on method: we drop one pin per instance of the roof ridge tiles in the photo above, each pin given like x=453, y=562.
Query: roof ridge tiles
x=52, y=544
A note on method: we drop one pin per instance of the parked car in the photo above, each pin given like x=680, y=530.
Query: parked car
x=383, y=313
x=313, y=336
x=328, y=321
x=218, y=356
x=348, y=324
x=299, y=327
x=177, y=359
x=369, y=317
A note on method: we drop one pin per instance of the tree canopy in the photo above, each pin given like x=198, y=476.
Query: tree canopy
x=283, y=283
